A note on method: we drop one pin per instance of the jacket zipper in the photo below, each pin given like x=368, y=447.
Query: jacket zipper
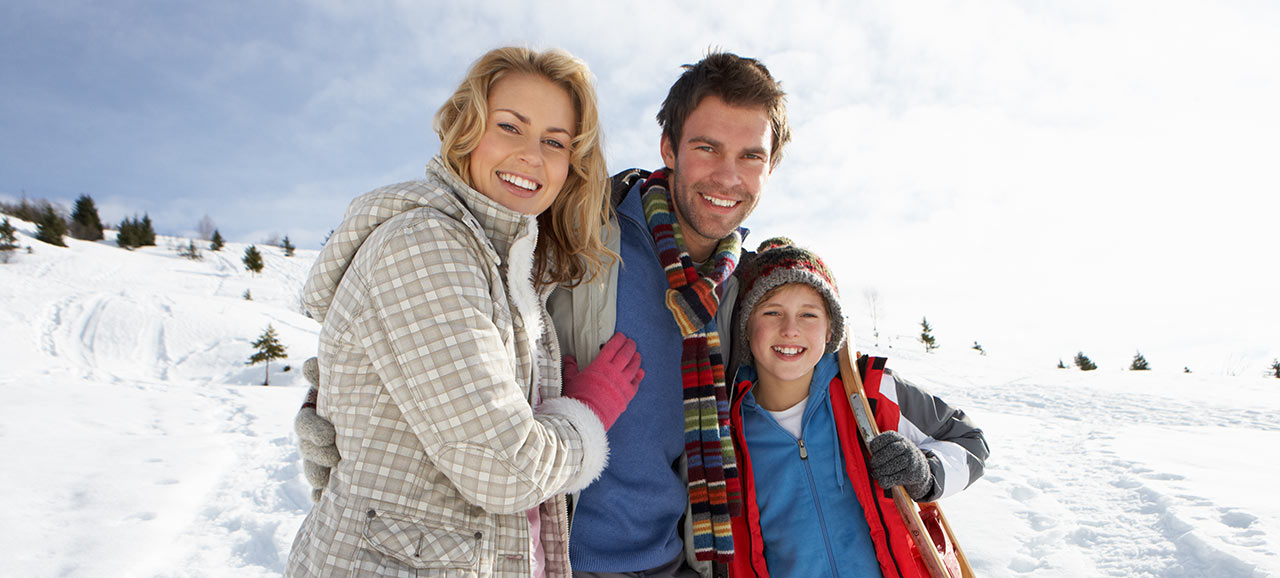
x=822, y=520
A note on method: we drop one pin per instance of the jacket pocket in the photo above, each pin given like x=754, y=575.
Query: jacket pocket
x=420, y=543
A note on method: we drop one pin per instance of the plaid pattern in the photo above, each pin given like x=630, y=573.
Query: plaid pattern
x=428, y=357
x=693, y=299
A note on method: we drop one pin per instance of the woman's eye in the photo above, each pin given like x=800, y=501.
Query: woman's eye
x=553, y=143
x=508, y=127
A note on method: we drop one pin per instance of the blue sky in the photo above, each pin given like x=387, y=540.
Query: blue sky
x=1041, y=177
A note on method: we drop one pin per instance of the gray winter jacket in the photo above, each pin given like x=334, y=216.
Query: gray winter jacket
x=434, y=342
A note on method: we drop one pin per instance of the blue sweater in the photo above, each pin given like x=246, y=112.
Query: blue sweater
x=629, y=519
x=810, y=518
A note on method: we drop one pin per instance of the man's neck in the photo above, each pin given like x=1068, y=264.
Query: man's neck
x=700, y=249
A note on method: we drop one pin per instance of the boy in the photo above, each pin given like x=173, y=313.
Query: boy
x=813, y=505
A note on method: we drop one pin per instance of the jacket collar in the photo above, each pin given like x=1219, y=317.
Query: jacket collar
x=486, y=216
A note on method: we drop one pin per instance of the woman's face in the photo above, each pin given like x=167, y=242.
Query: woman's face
x=523, y=158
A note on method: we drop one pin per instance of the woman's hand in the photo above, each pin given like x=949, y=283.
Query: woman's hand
x=609, y=382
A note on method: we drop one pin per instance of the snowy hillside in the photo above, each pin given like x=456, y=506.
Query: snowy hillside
x=136, y=442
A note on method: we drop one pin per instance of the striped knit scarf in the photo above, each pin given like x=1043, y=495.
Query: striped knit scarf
x=715, y=492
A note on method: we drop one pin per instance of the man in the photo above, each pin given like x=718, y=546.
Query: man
x=723, y=129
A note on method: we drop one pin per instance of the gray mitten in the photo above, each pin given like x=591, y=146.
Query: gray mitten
x=315, y=435
x=896, y=461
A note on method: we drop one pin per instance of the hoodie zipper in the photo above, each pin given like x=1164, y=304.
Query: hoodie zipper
x=817, y=505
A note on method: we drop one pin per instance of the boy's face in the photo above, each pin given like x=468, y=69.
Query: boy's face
x=788, y=330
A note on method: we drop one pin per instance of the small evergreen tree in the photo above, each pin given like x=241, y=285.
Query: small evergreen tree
x=252, y=259
x=267, y=347
x=1139, y=363
x=136, y=233
x=147, y=232
x=85, y=223
x=190, y=251
x=216, y=243
x=1084, y=363
x=126, y=237
x=51, y=228
x=1275, y=367
x=288, y=247
x=8, y=240
x=926, y=335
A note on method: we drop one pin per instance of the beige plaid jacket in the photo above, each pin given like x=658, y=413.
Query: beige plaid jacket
x=433, y=343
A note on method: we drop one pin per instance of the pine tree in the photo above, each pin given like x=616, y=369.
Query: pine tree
x=1139, y=363
x=267, y=347
x=288, y=247
x=252, y=259
x=1275, y=367
x=51, y=228
x=926, y=335
x=126, y=236
x=1084, y=363
x=190, y=251
x=216, y=243
x=147, y=234
x=85, y=223
x=136, y=233
x=8, y=240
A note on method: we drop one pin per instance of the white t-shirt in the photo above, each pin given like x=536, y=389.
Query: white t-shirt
x=790, y=418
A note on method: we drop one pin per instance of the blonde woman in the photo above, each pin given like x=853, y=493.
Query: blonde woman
x=439, y=366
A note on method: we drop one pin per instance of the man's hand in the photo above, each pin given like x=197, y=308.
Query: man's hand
x=315, y=435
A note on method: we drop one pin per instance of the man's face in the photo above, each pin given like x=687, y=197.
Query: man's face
x=721, y=165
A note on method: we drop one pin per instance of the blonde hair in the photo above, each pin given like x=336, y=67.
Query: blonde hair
x=570, y=247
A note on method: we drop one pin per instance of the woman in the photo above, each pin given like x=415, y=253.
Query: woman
x=439, y=366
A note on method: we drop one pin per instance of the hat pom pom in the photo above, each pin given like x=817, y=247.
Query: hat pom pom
x=774, y=243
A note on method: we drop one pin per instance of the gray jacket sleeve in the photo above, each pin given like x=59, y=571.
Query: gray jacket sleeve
x=955, y=445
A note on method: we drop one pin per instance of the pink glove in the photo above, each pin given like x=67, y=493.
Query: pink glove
x=609, y=383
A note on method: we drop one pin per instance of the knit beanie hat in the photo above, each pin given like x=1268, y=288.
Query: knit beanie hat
x=778, y=262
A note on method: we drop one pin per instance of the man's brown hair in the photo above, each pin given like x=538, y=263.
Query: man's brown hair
x=738, y=81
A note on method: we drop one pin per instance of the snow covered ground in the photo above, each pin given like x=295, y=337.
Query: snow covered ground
x=136, y=442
